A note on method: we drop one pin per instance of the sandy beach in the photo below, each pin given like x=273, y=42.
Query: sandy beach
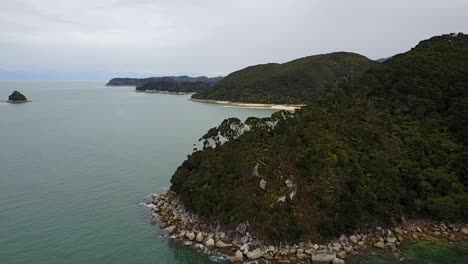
x=288, y=107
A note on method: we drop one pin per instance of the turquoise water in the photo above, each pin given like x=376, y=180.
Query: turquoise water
x=76, y=162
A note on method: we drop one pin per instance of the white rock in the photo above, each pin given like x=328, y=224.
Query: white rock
x=323, y=256
x=170, y=229
x=301, y=256
x=190, y=235
x=380, y=244
x=221, y=244
x=210, y=243
x=199, y=237
x=255, y=254
x=237, y=258
x=353, y=239
x=244, y=248
x=263, y=184
x=391, y=239
x=338, y=261
x=341, y=255
x=464, y=230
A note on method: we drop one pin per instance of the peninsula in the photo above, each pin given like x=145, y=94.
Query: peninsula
x=339, y=176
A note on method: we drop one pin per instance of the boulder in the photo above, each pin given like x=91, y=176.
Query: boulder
x=241, y=228
x=341, y=255
x=255, y=254
x=348, y=248
x=170, y=229
x=245, y=248
x=17, y=97
x=380, y=244
x=353, y=239
x=338, y=261
x=263, y=184
x=190, y=235
x=237, y=258
x=323, y=256
x=464, y=230
x=210, y=243
x=221, y=244
x=391, y=239
x=301, y=256
x=199, y=237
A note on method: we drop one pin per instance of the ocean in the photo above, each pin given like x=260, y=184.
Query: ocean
x=77, y=162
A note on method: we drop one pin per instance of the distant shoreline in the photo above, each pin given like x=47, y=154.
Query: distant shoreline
x=289, y=107
x=162, y=92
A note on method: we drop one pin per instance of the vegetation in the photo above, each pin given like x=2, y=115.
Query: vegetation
x=295, y=82
x=142, y=81
x=390, y=143
x=170, y=85
x=17, y=97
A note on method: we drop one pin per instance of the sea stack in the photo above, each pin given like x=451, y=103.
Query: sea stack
x=17, y=97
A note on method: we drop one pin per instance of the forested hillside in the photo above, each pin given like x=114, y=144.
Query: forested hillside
x=389, y=143
x=295, y=82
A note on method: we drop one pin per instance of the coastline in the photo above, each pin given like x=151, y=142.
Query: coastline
x=162, y=92
x=238, y=245
x=288, y=107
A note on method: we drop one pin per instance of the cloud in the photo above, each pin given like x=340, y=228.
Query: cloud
x=210, y=37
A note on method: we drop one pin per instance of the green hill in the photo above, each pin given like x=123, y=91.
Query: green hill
x=294, y=82
x=391, y=143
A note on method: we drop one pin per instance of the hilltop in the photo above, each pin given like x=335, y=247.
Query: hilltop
x=296, y=82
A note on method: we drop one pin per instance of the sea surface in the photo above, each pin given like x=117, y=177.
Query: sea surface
x=77, y=161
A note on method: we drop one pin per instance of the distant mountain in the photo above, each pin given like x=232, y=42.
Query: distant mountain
x=168, y=84
x=142, y=81
x=298, y=81
x=383, y=59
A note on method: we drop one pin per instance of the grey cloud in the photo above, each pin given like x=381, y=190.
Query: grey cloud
x=210, y=37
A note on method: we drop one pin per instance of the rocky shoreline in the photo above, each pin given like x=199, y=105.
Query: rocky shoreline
x=162, y=92
x=240, y=246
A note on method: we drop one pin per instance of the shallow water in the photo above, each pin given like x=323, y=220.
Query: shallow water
x=76, y=162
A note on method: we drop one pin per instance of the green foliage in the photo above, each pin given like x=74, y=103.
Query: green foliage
x=390, y=143
x=294, y=82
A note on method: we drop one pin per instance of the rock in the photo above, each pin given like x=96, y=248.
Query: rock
x=341, y=255
x=380, y=244
x=237, y=258
x=348, y=248
x=221, y=244
x=353, y=239
x=241, y=228
x=199, y=237
x=263, y=184
x=323, y=256
x=190, y=235
x=391, y=239
x=255, y=254
x=464, y=230
x=170, y=229
x=281, y=199
x=210, y=243
x=244, y=248
x=338, y=261
x=452, y=237
x=17, y=97
x=415, y=237
x=301, y=256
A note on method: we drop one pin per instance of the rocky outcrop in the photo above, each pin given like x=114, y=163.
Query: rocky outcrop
x=239, y=245
x=17, y=97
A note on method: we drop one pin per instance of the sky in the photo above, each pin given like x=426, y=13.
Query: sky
x=100, y=39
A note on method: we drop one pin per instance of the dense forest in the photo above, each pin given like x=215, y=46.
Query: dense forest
x=392, y=142
x=142, y=81
x=168, y=84
x=296, y=82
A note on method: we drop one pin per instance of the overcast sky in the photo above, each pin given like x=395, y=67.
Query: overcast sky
x=208, y=37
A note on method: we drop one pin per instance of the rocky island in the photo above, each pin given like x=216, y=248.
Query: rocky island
x=340, y=176
x=17, y=97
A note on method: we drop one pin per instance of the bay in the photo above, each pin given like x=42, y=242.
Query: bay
x=76, y=162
